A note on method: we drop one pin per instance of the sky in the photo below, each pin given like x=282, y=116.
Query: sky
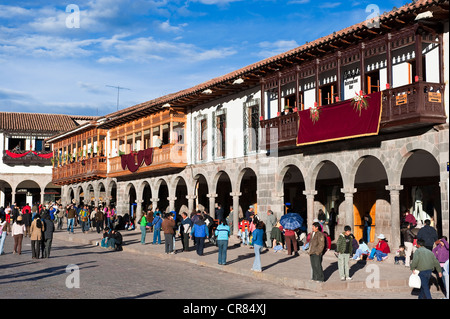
x=68, y=57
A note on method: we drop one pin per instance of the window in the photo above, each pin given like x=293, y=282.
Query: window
x=203, y=154
x=251, y=126
x=221, y=126
x=327, y=94
x=373, y=82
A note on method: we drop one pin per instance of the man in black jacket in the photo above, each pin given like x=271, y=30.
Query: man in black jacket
x=428, y=234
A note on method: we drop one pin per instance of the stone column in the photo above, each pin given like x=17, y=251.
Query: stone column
x=212, y=203
x=310, y=207
x=191, y=202
x=154, y=203
x=139, y=212
x=171, y=200
x=394, y=192
x=348, y=206
x=235, y=196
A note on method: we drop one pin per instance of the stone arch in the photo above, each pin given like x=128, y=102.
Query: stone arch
x=370, y=180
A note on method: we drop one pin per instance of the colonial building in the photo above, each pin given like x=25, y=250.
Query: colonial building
x=354, y=122
x=26, y=160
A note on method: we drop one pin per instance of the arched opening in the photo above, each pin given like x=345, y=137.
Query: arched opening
x=28, y=192
x=329, y=196
x=163, y=194
x=201, y=190
x=90, y=195
x=101, y=195
x=248, y=189
x=146, y=197
x=52, y=193
x=421, y=192
x=71, y=196
x=371, y=197
x=293, y=187
x=181, y=203
x=131, y=200
x=80, y=195
x=5, y=194
x=112, y=194
x=223, y=190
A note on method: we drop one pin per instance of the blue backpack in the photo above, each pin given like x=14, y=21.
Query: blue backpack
x=199, y=230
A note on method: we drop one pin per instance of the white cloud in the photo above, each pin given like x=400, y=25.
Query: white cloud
x=167, y=27
x=269, y=49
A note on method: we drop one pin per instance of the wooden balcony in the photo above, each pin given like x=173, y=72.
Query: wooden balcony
x=404, y=108
x=29, y=159
x=168, y=157
x=80, y=171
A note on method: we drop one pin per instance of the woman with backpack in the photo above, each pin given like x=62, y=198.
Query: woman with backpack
x=36, y=236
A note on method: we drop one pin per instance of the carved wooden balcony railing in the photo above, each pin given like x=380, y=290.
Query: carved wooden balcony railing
x=407, y=107
x=167, y=157
x=80, y=171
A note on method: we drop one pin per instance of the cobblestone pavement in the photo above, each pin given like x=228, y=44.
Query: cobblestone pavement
x=130, y=274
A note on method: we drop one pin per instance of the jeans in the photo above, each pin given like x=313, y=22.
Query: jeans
x=257, y=261
x=143, y=234
x=200, y=243
x=366, y=234
x=343, y=265
x=2, y=241
x=157, y=236
x=70, y=222
x=424, y=276
x=358, y=253
x=168, y=241
x=223, y=245
x=244, y=237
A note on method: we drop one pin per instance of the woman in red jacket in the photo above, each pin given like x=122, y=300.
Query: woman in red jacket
x=381, y=250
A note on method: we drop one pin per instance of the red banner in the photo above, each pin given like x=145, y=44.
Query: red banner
x=19, y=155
x=133, y=161
x=340, y=121
x=16, y=155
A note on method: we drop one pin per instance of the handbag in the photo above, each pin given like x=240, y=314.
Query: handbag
x=414, y=280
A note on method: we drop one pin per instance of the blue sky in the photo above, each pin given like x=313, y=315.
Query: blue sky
x=151, y=47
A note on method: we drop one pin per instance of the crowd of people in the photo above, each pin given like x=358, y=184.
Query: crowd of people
x=37, y=223
x=421, y=250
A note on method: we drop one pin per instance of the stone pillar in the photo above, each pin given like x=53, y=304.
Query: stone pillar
x=212, y=203
x=278, y=209
x=171, y=200
x=154, y=203
x=443, y=184
x=235, y=196
x=139, y=212
x=348, y=206
x=394, y=192
x=310, y=207
x=191, y=202
x=42, y=198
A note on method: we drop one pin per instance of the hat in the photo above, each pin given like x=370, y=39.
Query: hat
x=251, y=206
x=381, y=236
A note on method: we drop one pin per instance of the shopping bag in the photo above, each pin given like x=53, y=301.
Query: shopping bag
x=414, y=280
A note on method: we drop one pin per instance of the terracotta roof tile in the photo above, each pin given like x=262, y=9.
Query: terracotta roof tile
x=35, y=122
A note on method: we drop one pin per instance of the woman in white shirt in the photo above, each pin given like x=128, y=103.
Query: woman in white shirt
x=17, y=231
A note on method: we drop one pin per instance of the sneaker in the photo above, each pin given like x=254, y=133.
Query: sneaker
x=342, y=278
x=349, y=278
x=384, y=258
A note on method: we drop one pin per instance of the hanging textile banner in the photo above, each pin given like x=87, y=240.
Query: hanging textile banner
x=341, y=120
x=20, y=155
x=133, y=161
x=16, y=155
